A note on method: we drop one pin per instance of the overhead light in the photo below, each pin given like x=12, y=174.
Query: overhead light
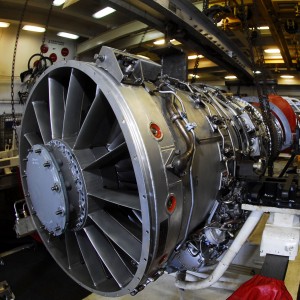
x=4, y=24
x=274, y=61
x=159, y=42
x=272, y=50
x=34, y=28
x=103, y=12
x=230, y=77
x=257, y=72
x=287, y=76
x=263, y=27
x=58, y=2
x=274, y=57
x=163, y=41
x=68, y=35
x=195, y=56
x=175, y=42
x=194, y=76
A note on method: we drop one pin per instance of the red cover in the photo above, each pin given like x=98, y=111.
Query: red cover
x=261, y=288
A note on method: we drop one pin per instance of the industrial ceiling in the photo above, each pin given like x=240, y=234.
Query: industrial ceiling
x=229, y=34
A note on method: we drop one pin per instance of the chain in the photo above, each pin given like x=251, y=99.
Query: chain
x=13, y=112
x=143, y=37
x=205, y=5
x=297, y=53
x=262, y=90
x=195, y=71
x=47, y=24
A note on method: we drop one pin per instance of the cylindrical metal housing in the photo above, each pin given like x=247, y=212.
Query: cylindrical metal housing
x=118, y=175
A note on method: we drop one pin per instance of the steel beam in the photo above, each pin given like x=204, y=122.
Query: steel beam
x=138, y=13
x=187, y=24
x=135, y=40
x=111, y=35
x=202, y=35
x=267, y=10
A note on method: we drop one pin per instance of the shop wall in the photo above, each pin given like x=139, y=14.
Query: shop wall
x=29, y=44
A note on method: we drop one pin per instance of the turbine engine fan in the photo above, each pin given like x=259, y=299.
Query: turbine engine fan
x=127, y=174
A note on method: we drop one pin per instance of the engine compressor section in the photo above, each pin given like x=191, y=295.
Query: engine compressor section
x=128, y=172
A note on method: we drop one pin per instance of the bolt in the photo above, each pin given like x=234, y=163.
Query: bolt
x=59, y=212
x=55, y=187
x=42, y=227
x=46, y=164
x=57, y=228
x=100, y=57
x=38, y=151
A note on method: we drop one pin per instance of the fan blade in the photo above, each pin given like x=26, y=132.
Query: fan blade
x=124, y=165
x=33, y=138
x=119, y=139
x=91, y=259
x=109, y=256
x=91, y=123
x=57, y=107
x=117, y=233
x=74, y=102
x=130, y=200
x=41, y=111
x=73, y=252
x=109, y=158
x=115, y=131
x=128, y=176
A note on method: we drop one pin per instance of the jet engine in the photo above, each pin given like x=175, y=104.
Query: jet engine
x=129, y=173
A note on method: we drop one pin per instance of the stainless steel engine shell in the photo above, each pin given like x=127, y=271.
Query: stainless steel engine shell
x=96, y=159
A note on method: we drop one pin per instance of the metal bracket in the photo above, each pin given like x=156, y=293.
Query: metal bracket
x=127, y=68
x=281, y=235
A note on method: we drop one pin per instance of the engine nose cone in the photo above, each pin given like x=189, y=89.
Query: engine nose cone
x=47, y=189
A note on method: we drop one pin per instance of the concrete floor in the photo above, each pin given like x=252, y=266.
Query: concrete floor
x=164, y=288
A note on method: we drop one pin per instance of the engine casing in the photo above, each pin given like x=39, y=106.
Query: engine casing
x=128, y=173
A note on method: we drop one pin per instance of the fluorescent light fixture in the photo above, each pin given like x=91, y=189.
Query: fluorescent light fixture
x=272, y=50
x=230, y=77
x=163, y=41
x=194, y=76
x=257, y=72
x=274, y=61
x=159, y=42
x=103, y=12
x=175, y=42
x=34, y=28
x=195, y=56
x=4, y=24
x=287, y=76
x=274, y=57
x=263, y=28
x=68, y=35
x=58, y=2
